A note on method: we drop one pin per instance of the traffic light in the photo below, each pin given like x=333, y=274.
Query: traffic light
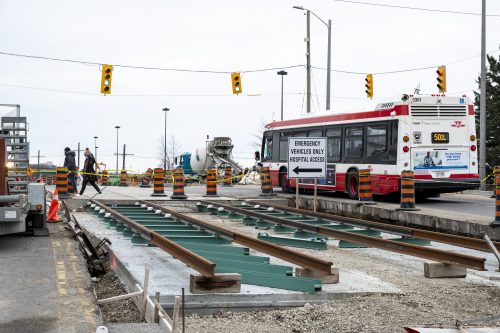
x=236, y=81
x=107, y=73
x=441, y=78
x=369, y=85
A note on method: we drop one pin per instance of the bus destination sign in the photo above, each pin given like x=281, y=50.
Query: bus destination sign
x=306, y=157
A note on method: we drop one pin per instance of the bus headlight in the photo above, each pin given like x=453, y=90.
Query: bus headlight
x=38, y=207
x=406, y=149
x=406, y=138
x=473, y=147
x=472, y=137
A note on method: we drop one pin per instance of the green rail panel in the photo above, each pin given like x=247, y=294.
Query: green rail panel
x=316, y=244
x=281, y=229
x=249, y=220
x=171, y=228
x=307, y=234
x=338, y=227
x=199, y=239
x=274, y=281
x=261, y=224
x=231, y=256
x=233, y=250
x=252, y=266
x=235, y=216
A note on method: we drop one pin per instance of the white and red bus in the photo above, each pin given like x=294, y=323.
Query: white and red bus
x=434, y=136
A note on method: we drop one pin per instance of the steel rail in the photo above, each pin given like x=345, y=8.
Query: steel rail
x=456, y=240
x=191, y=259
x=274, y=250
x=384, y=244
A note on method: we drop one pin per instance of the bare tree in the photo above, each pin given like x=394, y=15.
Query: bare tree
x=257, y=136
x=173, y=150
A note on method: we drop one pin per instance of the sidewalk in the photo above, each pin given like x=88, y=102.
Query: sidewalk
x=45, y=286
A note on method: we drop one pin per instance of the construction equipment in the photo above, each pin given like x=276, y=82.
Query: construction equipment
x=22, y=204
x=214, y=154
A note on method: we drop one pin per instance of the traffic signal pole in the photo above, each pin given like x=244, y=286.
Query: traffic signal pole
x=482, y=102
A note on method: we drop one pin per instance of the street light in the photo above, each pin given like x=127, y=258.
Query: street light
x=165, y=142
x=282, y=73
x=308, y=55
x=117, y=152
x=95, y=148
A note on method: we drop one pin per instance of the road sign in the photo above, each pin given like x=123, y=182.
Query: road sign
x=306, y=157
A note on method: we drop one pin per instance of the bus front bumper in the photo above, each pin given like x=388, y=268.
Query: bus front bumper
x=446, y=185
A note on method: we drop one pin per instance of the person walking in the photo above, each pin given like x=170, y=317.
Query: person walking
x=89, y=173
x=70, y=164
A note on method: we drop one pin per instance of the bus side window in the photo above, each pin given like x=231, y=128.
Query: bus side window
x=267, y=148
x=353, y=141
x=283, y=151
x=333, y=143
x=376, y=139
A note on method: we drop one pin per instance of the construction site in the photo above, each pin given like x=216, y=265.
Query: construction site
x=191, y=167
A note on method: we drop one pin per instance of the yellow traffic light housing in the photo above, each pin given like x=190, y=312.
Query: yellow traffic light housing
x=441, y=78
x=369, y=85
x=236, y=82
x=107, y=73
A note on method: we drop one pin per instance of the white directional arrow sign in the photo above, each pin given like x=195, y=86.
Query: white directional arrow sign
x=306, y=157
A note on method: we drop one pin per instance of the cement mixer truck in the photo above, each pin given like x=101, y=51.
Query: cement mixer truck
x=213, y=154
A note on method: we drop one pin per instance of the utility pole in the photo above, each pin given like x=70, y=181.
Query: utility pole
x=123, y=156
x=308, y=54
x=482, y=102
x=78, y=163
x=117, y=128
x=328, y=66
x=38, y=162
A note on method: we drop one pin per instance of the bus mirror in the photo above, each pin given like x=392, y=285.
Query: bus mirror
x=257, y=156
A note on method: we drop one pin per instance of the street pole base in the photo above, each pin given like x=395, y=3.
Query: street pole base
x=144, y=185
x=267, y=194
x=158, y=195
x=211, y=195
x=365, y=203
x=124, y=185
x=408, y=209
x=178, y=196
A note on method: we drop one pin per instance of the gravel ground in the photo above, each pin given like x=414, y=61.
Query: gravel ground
x=123, y=311
x=422, y=301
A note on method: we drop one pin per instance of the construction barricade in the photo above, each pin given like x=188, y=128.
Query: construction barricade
x=62, y=183
x=365, y=192
x=104, y=178
x=228, y=172
x=123, y=178
x=158, y=187
x=211, y=183
x=146, y=179
x=178, y=185
x=266, y=185
x=496, y=222
x=407, y=191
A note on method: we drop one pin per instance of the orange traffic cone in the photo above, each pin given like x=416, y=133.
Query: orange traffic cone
x=54, y=206
x=133, y=183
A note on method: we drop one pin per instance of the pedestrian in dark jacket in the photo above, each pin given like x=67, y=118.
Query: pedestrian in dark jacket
x=70, y=164
x=89, y=173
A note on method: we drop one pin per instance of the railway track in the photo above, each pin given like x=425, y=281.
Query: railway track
x=323, y=224
x=461, y=241
x=207, y=248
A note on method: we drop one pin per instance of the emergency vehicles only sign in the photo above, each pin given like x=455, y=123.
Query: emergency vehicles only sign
x=306, y=157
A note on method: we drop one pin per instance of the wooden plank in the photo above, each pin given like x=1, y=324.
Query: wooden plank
x=119, y=298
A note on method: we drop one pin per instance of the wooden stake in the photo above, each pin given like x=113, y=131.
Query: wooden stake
x=156, y=317
x=315, y=201
x=145, y=295
x=297, y=193
x=175, y=316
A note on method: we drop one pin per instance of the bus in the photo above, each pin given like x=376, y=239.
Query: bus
x=432, y=135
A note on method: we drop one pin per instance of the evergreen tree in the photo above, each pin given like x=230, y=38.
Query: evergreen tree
x=492, y=112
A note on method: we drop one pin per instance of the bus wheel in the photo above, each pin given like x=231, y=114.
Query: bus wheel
x=285, y=185
x=352, y=184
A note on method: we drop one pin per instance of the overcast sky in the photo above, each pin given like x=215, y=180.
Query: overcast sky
x=64, y=107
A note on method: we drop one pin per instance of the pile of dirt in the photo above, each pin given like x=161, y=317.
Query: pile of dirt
x=124, y=311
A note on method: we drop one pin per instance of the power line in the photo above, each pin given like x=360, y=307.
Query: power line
x=415, y=8
x=82, y=62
